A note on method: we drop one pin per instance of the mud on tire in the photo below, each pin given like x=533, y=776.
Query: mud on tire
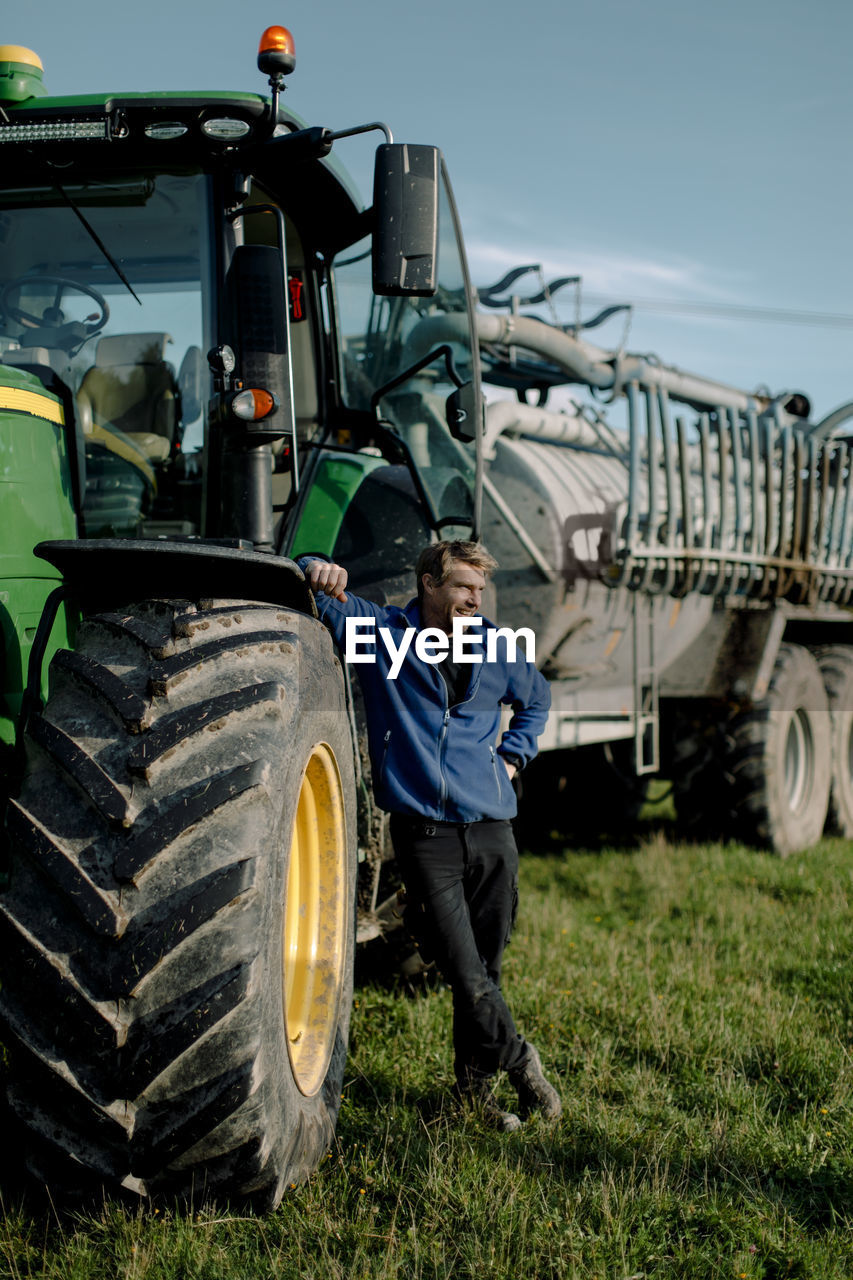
x=836, y=667
x=779, y=758
x=177, y=934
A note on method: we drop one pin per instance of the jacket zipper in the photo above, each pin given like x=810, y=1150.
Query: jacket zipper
x=442, y=738
x=495, y=770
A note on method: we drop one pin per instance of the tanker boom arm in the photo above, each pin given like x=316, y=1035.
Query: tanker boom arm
x=601, y=369
x=608, y=370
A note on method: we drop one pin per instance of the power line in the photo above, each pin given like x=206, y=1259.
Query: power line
x=776, y=315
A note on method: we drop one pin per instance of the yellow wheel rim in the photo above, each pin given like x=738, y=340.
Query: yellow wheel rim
x=315, y=925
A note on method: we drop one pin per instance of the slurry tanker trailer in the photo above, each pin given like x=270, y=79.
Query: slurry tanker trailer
x=214, y=360
x=689, y=577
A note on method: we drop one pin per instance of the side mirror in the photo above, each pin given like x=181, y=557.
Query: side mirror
x=461, y=413
x=405, y=209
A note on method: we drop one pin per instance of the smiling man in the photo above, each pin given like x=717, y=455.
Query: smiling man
x=443, y=769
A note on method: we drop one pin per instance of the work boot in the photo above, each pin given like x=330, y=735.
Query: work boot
x=534, y=1091
x=475, y=1093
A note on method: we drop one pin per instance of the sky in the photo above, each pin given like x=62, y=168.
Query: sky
x=671, y=152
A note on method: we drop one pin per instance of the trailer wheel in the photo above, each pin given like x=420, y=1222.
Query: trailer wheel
x=836, y=667
x=177, y=935
x=700, y=785
x=779, y=758
x=581, y=793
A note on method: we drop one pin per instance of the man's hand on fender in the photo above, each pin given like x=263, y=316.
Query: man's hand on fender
x=331, y=579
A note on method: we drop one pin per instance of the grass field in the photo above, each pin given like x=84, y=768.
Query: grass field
x=695, y=1006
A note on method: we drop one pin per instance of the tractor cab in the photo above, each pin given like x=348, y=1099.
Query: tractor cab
x=207, y=340
x=241, y=351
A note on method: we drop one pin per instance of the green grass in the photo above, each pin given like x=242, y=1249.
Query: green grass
x=695, y=1007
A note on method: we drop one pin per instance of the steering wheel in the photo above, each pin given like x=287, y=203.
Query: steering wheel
x=53, y=317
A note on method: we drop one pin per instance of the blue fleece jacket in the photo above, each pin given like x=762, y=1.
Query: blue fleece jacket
x=430, y=758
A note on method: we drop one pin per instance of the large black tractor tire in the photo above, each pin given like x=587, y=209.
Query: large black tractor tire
x=701, y=785
x=583, y=794
x=779, y=758
x=177, y=934
x=836, y=667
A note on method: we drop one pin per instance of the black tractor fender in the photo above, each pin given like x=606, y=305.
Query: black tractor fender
x=101, y=570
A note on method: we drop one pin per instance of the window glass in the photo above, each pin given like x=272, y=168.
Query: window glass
x=103, y=288
x=380, y=338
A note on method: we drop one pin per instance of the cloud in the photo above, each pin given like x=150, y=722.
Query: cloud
x=616, y=275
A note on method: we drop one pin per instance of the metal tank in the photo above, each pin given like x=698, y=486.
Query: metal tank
x=676, y=569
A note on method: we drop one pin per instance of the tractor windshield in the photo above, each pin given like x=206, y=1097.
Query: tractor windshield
x=380, y=339
x=102, y=296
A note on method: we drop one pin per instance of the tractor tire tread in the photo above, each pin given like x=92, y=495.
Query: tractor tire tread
x=138, y=900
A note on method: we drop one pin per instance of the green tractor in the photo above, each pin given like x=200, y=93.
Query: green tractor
x=213, y=359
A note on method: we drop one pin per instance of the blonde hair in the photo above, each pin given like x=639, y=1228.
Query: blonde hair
x=439, y=558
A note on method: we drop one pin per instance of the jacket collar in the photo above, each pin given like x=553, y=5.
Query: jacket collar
x=413, y=613
x=414, y=618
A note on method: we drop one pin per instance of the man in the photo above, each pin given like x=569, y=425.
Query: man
x=440, y=771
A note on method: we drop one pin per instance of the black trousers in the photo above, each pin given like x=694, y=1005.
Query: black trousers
x=462, y=895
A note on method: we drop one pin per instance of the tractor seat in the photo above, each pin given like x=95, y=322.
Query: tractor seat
x=132, y=387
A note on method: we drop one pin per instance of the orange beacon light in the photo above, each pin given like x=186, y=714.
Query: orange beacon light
x=276, y=52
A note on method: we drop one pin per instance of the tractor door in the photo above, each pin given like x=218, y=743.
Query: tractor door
x=381, y=340
x=395, y=469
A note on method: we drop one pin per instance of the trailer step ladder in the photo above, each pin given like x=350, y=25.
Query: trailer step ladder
x=646, y=709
